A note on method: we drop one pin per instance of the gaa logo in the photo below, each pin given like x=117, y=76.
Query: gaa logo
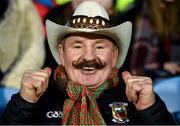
x=54, y=114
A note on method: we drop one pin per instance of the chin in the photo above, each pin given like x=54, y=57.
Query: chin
x=91, y=85
x=90, y=82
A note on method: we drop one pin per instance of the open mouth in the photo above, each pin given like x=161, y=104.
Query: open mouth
x=88, y=70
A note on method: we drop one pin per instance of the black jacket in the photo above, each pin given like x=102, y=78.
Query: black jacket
x=49, y=108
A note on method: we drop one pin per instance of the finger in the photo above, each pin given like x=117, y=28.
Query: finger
x=39, y=88
x=28, y=80
x=35, y=82
x=141, y=80
x=133, y=88
x=127, y=93
x=44, y=72
x=137, y=88
x=42, y=82
x=125, y=75
x=38, y=73
x=48, y=70
x=134, y=92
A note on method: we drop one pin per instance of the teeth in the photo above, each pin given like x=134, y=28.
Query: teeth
x=88, y=68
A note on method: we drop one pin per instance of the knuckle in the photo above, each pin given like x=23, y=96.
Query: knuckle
x=128, y=80
x=148, y=86
x=41, y=83
x=43, y=79
x=26, y=79
x=45, y=73
x=149, y=81
x=38, y=84
x=133, y=86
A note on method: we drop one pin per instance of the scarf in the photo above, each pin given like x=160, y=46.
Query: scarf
x=81, y=107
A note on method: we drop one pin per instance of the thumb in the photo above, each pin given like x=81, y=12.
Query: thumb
x=48, y=70
x=125, y=75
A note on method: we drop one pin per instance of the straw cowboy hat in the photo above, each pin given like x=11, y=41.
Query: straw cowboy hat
x=90, y=17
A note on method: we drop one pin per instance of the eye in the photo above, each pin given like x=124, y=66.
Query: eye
x=100, y=47
x=77, y=46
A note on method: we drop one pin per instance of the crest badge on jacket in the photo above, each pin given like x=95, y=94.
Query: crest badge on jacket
x=119, y=112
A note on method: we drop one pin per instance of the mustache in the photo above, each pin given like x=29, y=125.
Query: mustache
x=97, y=64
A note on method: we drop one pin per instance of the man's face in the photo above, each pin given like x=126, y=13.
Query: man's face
x=88, y=59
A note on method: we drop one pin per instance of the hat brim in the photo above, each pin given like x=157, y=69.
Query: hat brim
x=121, y=34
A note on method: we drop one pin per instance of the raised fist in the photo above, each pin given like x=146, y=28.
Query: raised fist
x=34, y=84
x=139, y=90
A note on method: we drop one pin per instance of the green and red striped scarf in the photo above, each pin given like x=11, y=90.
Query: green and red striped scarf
x=81, y=107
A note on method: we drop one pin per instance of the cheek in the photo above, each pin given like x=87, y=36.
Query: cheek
x=107, y=57
x=70, y=56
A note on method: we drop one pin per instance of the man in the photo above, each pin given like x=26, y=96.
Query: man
x=87, y=90
x=60, y=14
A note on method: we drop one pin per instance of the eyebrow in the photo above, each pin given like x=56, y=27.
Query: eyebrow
x=102, y=41
x=98, y=41
x=78, y=41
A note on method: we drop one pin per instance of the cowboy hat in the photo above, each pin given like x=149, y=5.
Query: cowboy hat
x=90, y=17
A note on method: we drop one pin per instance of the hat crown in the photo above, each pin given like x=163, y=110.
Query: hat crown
x=91, y=9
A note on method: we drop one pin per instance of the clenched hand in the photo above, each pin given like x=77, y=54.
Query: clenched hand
x=139, y=90
x=34, y=84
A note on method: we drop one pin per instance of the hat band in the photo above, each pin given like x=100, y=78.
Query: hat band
x=88, y=22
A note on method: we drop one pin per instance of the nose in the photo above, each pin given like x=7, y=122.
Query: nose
x=89, y=54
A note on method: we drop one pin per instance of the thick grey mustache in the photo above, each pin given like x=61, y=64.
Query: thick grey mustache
x=97, y=64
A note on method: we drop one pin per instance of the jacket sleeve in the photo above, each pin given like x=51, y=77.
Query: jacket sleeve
x=19, y=111
x=156, y=114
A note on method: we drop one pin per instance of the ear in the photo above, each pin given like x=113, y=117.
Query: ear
x=61, y=53
x=115, y=56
